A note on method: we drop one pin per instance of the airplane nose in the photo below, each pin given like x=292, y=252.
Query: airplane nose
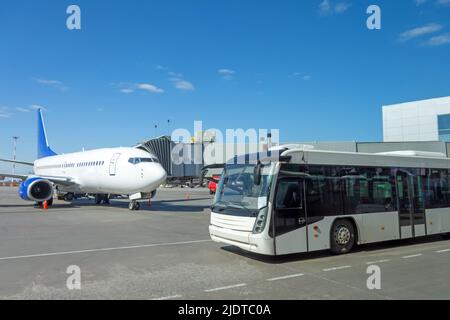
x=161, y=174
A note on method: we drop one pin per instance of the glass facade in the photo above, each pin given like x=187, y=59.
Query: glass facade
x=444, y=127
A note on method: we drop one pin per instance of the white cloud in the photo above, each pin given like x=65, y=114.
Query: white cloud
x=4, y=112
x=175, y=74
x=226, y=74
x=31, y=108
x=149, y=88
x=443, y=2
x=36, y=107
x=341, y=7
x=438, y=2
x=51, y=83
x=160, y=67
x=182, y=84
x=20, y=109
x=439, y=40
x=420, y=31
x=326, y=7
x=304, y=77
x=126, y=90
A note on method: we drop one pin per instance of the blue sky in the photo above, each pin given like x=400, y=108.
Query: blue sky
x=309, y=68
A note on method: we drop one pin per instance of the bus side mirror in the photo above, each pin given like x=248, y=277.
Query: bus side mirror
x=257, y=174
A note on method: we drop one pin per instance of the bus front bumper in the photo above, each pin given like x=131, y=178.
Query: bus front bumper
x=247, y=241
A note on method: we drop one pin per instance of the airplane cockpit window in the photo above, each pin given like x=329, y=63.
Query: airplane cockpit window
x=139, y=160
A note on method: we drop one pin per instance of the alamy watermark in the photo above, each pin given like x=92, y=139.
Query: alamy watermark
x=73, y=281
x=212, y=146
x=73, y=21
x=374, y=280
x=374, y=20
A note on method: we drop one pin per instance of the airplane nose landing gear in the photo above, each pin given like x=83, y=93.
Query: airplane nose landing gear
x=134, y=205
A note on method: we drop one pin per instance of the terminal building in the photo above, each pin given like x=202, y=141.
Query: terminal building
x=426, y=120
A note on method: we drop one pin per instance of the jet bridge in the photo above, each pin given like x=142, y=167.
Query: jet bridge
x=182, y=173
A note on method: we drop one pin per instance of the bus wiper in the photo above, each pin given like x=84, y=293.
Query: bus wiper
x=221, y=204
x=239, y=205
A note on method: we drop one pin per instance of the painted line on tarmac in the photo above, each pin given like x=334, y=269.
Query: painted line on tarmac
x=378, y=261
x=103, y=249
x=442, y=251
x=286, y=277
x=336, y=268
x=176, y=296
x=412, y=256
x=227, y=287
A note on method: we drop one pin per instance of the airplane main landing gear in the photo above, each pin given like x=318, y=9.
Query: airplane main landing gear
x=134, y=205
x=99, y=198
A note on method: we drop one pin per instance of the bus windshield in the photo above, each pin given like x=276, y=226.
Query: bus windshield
x=238, y=195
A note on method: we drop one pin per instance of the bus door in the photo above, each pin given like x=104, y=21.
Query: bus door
x=410, y=205
x=290, y=227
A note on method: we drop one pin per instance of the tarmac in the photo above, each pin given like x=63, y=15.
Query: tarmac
x=165, y=252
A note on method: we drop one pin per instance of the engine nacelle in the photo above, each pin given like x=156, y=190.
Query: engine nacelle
x=36, y=189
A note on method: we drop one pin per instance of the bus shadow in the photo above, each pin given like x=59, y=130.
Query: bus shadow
x=373, y=247
x=184, y=200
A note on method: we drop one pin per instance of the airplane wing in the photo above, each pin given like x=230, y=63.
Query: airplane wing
x=18, y=162
x=63, y=181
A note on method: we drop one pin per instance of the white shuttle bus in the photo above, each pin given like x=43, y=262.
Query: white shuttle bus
x=306, y=200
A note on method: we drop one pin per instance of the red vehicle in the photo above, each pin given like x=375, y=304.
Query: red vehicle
x=213, y=184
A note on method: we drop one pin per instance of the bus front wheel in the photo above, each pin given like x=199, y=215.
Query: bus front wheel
x=342, y=236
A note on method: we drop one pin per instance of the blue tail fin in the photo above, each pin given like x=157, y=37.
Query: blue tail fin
x=43, y=150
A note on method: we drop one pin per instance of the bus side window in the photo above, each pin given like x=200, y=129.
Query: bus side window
x=289, y=195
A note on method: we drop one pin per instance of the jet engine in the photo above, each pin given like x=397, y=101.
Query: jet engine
x=36, y=189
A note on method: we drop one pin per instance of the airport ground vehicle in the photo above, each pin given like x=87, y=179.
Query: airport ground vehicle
x=306, y=200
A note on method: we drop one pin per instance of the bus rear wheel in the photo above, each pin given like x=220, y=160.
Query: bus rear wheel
x=342, y=236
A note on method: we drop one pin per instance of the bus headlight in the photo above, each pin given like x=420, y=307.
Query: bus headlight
x=260, y=220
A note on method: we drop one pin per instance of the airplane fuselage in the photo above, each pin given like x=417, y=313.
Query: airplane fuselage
x=109, y=170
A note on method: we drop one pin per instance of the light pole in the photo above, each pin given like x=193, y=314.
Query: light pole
x=15, y=138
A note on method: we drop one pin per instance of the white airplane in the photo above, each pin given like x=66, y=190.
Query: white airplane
x=125, y=171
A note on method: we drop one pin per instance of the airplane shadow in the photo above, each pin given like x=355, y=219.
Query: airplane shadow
x=159, y=205
x=68, y=205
